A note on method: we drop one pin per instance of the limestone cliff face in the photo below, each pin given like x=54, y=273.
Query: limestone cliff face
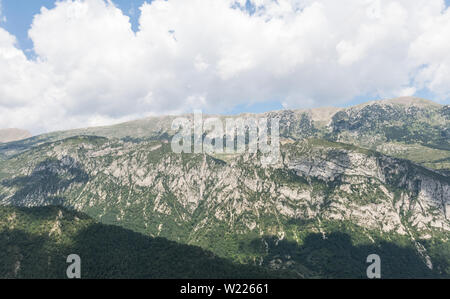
x=398, y=188
x=148, y=187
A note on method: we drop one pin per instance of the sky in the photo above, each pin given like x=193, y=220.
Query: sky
x=80, y=63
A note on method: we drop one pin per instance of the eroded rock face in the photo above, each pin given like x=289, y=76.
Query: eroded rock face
x=392, y=186
x=149, y=188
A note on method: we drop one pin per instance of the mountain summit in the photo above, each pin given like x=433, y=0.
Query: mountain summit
x=9, y=135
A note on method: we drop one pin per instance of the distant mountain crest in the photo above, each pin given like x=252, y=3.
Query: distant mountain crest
x=404, y=101
x=9, y=135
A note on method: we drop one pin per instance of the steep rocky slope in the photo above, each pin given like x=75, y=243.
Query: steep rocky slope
x=350, y=182
x=227, y=206
x=408, y=127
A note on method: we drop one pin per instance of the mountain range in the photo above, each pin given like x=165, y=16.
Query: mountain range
x=367, y=179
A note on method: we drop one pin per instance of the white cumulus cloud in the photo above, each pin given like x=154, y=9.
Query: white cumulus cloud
x=92, y=69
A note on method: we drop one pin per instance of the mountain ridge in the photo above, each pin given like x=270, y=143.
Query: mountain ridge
x=320, y=113
x=375, y=175
x=13, y=134
x=223, y=206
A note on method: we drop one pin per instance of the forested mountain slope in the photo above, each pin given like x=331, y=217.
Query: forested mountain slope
x=350, y=182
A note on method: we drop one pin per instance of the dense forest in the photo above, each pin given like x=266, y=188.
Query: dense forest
x=36, y=243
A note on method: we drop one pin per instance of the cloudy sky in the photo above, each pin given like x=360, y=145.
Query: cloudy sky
x=81, y=63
